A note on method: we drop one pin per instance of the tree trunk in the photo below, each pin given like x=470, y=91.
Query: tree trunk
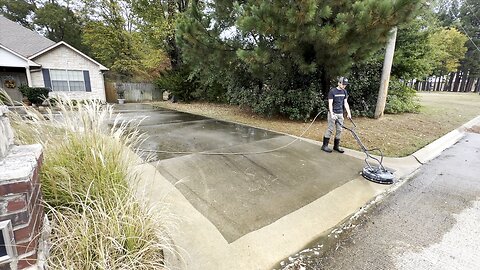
x=437, y=84
x=464, y=82
x=325, y=83
x=477, y=87
x=387, y=67
x=448, y=86
x=425, y=85
x=470, y=81
x=456, y=84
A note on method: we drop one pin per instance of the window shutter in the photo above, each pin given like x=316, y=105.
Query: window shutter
x=46, y=78
x=86, y=79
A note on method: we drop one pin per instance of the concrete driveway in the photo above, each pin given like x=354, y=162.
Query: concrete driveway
x=250, y=210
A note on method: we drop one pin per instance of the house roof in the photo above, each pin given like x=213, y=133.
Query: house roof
x=30, y=44
x=15, y=37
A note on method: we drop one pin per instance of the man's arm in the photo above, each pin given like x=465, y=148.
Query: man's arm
x=330, y=109
x=347, y=108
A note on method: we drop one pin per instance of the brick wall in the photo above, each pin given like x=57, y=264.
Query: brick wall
x=20, y=201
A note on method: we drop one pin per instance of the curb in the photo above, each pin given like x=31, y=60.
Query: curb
x=434, y=149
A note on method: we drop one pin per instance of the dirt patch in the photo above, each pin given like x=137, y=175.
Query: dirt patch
x=397, y=135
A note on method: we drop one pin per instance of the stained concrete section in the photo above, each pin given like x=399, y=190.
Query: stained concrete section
x=243, y=193
x=196, y=135
x=129, y=107
x=158, y=117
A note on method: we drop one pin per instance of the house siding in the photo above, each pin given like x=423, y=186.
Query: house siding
x=63, y=57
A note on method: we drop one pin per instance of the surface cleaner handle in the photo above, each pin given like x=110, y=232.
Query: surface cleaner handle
x=351, y=120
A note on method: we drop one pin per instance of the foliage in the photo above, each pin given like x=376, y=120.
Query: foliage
x=105, y=237
x=470, y=23
x=401, y=99
x=157, y=24
x=96, y=222
x=18, y=11
x=364, y=85
x=279, y=99
x=60, y=23
x=463, y=15
x=36, y=95
x=267, y=46
x=414, y=55
x=179, y=83
x=450, y=44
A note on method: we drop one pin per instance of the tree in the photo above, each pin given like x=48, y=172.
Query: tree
x=59, y=23
x=464, y=16
x=157, y=20
x=278, y=47
x=18, y=10
x=449, y=45
x=414, y=54
x=113, y=36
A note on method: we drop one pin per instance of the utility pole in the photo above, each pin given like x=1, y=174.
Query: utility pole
x=387, y=67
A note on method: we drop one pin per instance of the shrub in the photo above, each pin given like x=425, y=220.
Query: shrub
x=36, y=95
x=364, y=85
x=179, y=83
x=294, y=95
x=401, y=99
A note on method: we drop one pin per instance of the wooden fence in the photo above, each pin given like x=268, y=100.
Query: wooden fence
x=133, y=92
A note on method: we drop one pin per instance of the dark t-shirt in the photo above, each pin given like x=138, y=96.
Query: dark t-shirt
x=338, y=96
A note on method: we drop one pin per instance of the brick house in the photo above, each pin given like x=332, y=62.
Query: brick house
x=28, y=58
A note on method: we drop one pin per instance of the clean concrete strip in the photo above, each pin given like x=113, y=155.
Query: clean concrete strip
x=202, y=246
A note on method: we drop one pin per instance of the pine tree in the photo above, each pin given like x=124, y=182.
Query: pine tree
x=286, y=45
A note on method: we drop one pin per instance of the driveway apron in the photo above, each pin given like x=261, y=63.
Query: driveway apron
x=250, y=193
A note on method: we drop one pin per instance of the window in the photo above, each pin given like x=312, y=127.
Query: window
x=67, y=80
x=7, y=242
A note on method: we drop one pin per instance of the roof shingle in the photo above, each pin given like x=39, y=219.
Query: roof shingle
x=20, y=39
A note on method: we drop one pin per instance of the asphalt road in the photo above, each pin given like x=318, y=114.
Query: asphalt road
x=430, y=222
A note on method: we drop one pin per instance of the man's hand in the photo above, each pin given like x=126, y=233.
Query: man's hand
x=334, y=116
x=349, y=116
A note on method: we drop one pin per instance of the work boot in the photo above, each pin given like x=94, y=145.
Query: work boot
x=325, y=145
x=336, y=146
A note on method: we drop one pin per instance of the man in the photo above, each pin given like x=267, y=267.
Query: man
x=337, y=100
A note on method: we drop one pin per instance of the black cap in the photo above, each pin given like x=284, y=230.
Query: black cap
x=343, y=80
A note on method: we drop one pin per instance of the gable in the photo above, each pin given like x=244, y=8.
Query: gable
x=8, y=59
x=63, y=52
x=62, y=57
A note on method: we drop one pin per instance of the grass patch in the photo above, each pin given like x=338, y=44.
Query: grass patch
x=96, y=223
x=397, y=135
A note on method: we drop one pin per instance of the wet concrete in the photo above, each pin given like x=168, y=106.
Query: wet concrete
x=431, y=222
x=251, y=211
x=242, y=193
x=238, y=193
x=129, y=107
x=196, y=134
x=159, y=117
